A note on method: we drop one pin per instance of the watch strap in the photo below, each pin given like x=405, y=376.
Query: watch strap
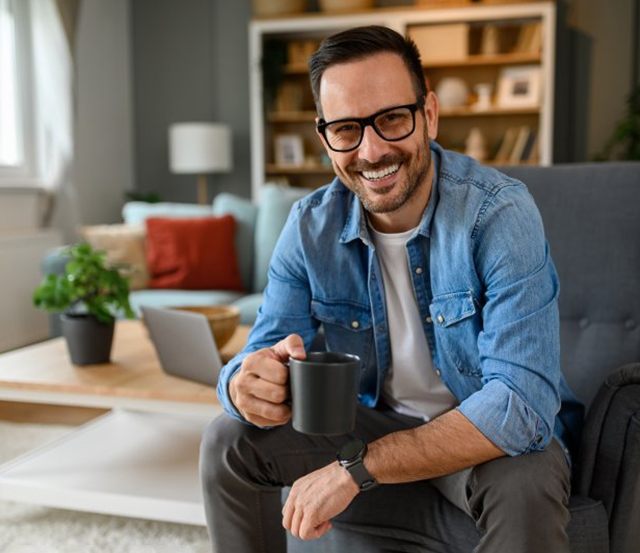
x=362, y=476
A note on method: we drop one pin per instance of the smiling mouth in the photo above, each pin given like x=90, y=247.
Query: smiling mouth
x=381, y=173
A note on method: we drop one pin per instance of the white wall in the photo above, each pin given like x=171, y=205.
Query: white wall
x=20, y=256
x=103, y=142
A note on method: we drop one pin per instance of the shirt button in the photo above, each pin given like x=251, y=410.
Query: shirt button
x=429, y=320
x=438, y=372
x=418, y=270
x=355, y=324
x=440, y=319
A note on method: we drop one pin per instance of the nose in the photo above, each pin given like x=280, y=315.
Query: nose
x=372, y=147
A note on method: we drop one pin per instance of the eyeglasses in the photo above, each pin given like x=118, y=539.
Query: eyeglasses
x=391, y=124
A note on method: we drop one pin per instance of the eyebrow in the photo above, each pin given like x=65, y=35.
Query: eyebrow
x=355, y=118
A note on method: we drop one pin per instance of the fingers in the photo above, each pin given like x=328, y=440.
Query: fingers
x=301, y=525
x=260, y=389
x=291, y=346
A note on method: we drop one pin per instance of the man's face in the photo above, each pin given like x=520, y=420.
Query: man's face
x=384, y=175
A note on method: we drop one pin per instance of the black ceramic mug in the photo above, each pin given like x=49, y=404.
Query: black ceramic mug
x=324, y=392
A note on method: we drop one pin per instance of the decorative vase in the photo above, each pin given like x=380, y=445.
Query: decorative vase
x=452, y=92
x=88, y=340
x=476, y=146
x=483, y=91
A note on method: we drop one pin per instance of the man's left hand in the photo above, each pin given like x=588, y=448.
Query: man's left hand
x=315, y=499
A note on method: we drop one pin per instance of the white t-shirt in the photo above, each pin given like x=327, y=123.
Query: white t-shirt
x=412, y=386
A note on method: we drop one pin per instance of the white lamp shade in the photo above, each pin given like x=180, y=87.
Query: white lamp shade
x=200, y=148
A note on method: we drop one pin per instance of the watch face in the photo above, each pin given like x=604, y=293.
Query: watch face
x=351, y=449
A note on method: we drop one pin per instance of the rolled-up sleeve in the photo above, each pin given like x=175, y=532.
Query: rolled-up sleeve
x=519, y=345
x=285, y=308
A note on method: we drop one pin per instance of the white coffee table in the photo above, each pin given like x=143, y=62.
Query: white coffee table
x=141, y=458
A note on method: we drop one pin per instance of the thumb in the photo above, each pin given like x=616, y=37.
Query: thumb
x=291, y=346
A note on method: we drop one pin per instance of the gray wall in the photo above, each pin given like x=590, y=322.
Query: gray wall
x=595, y=62
x=190, y=61
x=103, y=166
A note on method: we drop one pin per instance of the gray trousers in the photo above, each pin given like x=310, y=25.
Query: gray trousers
x=514, y=504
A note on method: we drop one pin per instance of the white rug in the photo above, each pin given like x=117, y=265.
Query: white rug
x=31, y=529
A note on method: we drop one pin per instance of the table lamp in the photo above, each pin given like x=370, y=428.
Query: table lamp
x=198, y=149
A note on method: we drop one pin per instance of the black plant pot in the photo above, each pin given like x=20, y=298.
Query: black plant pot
x=88, y=340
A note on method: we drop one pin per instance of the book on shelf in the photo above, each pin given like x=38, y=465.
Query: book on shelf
x=506, y=145
x=519, y=144
x=529, y=153
x=529, y=39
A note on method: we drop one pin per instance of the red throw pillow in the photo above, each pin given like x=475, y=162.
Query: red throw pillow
x=192, y=253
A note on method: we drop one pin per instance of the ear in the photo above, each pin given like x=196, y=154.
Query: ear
x=431, y=110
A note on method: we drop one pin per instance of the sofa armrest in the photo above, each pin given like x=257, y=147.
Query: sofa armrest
x=54, y=261
x=608, y=462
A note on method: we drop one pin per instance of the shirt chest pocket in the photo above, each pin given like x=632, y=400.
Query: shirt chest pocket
x=347, y=327
x=456, y=325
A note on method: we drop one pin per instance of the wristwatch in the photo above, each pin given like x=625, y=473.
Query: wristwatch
x=351, y=457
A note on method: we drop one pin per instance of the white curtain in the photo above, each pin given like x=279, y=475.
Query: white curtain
x=53, y=87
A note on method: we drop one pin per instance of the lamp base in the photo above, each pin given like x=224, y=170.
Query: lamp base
x=202, y=190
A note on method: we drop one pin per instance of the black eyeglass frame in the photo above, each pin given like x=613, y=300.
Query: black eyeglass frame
x=365, y=122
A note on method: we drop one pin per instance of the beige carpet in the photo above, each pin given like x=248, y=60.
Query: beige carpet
x=31, y=529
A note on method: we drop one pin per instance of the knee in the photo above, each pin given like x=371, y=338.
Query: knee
x=220, y=439
x=530, y=484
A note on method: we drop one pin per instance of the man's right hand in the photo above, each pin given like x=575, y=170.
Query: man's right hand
x=260, y=388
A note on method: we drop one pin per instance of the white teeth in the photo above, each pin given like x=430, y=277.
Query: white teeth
x=375, y=175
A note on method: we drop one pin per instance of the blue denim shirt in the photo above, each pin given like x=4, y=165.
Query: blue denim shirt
x=484, y=281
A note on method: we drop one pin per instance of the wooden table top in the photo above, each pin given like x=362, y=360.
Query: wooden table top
x=134, y=372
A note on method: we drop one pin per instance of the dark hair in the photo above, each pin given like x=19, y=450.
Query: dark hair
x=361, y=42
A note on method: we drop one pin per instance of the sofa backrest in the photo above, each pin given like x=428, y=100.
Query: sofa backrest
x=275, y=205
x=591, y=214
x=245, y=214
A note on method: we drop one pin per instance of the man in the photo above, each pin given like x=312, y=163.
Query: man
x=435, y=271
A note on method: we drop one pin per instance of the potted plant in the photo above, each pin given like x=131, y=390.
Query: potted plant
x=625, y=141
x=89, y=296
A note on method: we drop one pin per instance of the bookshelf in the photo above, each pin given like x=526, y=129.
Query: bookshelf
x=508, y=48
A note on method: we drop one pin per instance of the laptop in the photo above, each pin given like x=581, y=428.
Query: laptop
x=184, y=344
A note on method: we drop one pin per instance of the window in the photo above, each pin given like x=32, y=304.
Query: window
x=17, y=147
x=11, y=152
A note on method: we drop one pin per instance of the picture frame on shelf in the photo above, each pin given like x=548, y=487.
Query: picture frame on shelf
x=289, y=150
x=519, y=87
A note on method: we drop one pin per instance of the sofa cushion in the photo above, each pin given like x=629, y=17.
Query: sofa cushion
x=124, y=246
x=248, y=306
x=275, y=204
x=192, y=253
x=244, y=212
x=135, y=213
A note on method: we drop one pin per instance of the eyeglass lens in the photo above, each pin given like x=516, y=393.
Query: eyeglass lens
x=395, y=124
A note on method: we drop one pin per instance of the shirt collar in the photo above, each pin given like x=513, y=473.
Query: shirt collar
x=356, y=223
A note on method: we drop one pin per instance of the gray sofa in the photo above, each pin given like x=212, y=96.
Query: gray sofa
x=592, y=218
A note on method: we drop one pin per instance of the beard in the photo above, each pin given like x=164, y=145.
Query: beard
x=383, y=200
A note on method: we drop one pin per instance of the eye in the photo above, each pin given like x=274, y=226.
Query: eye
x=392, y=117
x=346, y=127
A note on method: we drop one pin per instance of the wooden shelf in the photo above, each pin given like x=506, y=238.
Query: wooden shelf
x=469, y=112
x=273, y=169
x=517, y=58
x=296, y=69
x=479, y=60
x=292, y=117
x=310, y=116
x=474, y=68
